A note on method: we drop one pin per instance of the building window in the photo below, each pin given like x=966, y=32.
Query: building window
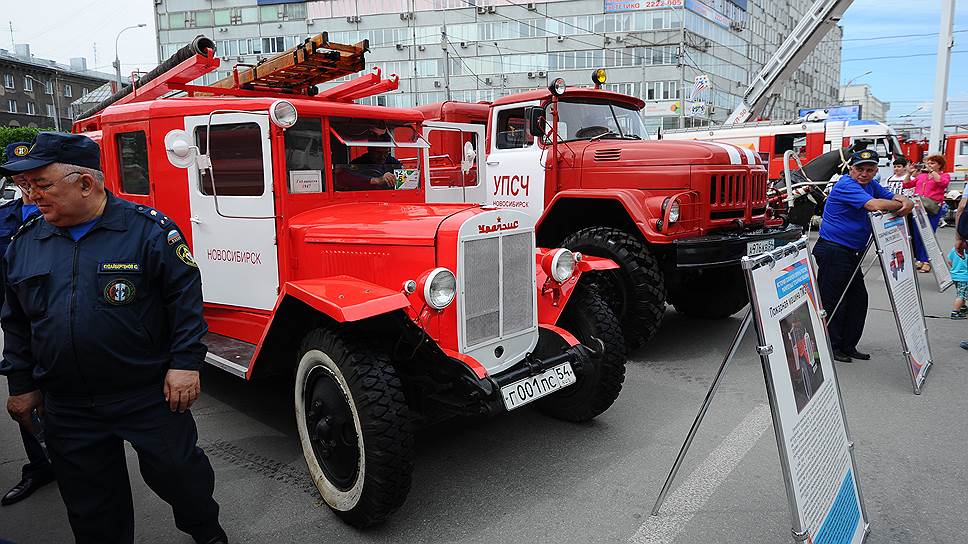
x=50, y=110
x=49, y=87
x=31, y=108
x=276, y=44
x=133, y=160
x=28, y=83
x=8, y=81
x=12, y=106
x=84, y=91
x=68, y=92
x=236, y=159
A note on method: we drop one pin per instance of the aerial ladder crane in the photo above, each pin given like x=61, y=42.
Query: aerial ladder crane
x=822, y=16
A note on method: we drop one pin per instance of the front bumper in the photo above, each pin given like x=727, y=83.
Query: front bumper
x=723, y=249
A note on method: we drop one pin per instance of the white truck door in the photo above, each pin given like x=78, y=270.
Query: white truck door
x=515, y=166
x=453, y=163
x=233, y=219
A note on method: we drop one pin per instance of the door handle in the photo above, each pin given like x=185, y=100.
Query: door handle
x=493, y=163
x=195, y=219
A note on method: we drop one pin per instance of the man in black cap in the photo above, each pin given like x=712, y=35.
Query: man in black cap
x=844, y=234
x=102, y=326
x=37, y=472
x=372, y=170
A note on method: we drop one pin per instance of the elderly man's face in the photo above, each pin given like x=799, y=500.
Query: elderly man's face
x=21, y=181
x=60, y=194
x=863, y=173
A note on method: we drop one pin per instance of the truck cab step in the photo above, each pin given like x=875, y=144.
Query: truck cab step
x=231, y=355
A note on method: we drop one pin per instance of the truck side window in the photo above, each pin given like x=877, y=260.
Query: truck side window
x=304, y=156
x=512, y=130
x=236, y=159
x=787, y=142
x=133, y=162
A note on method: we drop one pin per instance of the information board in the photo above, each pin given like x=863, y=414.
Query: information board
x=808, y=415
x=893, y=243
x=939, y=266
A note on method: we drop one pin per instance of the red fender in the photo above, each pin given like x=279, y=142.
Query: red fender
x=553, y=296
x=345, y=298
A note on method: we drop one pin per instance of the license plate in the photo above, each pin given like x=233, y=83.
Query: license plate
x=760, y=246
x=524, y=391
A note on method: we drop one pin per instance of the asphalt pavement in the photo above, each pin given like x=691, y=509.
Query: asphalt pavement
x=526, y=478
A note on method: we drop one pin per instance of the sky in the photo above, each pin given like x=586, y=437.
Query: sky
x=897, y=40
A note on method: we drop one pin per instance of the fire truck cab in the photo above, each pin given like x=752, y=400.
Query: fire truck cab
x=676, y=216
x=320, y=258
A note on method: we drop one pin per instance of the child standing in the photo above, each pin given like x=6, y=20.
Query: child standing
x=959, y=274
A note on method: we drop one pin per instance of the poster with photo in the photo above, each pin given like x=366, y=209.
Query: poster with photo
x=893, y=243
x=808, y=415
x=939, y=266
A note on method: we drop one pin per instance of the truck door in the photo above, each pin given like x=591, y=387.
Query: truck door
x=453, y=162
x=233, y=219
x=515, y=170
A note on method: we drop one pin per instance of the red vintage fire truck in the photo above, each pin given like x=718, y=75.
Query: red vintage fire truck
x=677, y=216
x=320, y=257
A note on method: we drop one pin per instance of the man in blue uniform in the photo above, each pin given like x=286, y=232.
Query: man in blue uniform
x=37, y=472
x=102, y=330
x=844, y=234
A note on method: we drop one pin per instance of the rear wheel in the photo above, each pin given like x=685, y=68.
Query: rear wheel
x=591, y=320
x=636, y=289
x=354, y=427
x=711, y=293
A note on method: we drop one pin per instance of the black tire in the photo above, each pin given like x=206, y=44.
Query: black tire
x=711, y=293
x=636, y=290
x=354, y=426
x=591, y=320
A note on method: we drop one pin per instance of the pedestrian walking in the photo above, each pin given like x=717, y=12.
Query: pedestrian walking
x=37, y=472
x=102, y=326
x=959, y=275
x=844, y=234
x=929, y=187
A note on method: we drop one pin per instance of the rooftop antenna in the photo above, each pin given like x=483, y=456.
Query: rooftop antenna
x=12, y=44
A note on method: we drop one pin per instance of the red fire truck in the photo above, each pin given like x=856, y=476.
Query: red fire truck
x=320, y=257
x=676, y=216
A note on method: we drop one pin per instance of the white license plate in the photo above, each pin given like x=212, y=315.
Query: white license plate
x=524, y=391
x=760, y=246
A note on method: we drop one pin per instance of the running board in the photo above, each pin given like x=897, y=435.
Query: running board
x=231, y=355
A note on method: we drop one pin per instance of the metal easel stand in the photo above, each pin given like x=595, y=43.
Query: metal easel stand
x=918, y=386
x=717, y=381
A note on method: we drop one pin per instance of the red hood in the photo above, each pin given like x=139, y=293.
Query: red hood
x=639, y=153
x=375, y=223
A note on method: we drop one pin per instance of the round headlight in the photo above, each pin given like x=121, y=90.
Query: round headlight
x=599, y=77
x=674, y=211
x=283, y=114
x=563, y=265
x=557, y=86
x=440, y=288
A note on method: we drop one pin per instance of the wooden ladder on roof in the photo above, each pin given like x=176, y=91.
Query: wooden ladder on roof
x=298, y=70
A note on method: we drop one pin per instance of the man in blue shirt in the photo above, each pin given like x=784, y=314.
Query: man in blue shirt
x=844, y=234
x=37, y=472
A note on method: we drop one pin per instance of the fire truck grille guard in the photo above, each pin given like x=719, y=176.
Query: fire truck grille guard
x=730, y=194
x=498, y=277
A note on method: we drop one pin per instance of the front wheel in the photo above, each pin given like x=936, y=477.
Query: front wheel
x=591, y=320
x=354, y=427
x=711, y=293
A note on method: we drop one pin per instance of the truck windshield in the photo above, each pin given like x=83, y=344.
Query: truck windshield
x=588, y=120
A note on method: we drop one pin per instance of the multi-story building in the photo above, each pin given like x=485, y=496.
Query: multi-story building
x=871, y=107
x=479, y=49
x=38, y=92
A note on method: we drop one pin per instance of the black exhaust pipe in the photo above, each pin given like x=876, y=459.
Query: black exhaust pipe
x=199, y=46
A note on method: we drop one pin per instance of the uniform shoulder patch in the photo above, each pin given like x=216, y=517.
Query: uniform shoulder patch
x=27, y=225
x=185, y=255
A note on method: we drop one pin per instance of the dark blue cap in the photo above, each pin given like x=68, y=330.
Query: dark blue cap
x=51, y=147
x=864, y=156
x=17, y=151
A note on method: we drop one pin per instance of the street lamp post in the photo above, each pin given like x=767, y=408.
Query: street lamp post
x=851, y=80
x=117, y=61
x=53, y=96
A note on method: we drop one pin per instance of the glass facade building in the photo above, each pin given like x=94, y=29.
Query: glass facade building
x=475, y=50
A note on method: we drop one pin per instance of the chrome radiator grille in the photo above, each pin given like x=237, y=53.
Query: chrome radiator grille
x=498, y=278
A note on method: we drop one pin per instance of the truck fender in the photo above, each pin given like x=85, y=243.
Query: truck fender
x=573, y=210
x=554, y=296
x=344, y=298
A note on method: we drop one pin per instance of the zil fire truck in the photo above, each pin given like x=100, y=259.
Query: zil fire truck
x=676, y=216
x=320, y=257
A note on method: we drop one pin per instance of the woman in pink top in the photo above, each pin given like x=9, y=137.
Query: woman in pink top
x=931, y=183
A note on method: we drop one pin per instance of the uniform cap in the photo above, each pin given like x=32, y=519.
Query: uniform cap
x=51, y=147
x=17, y=151
x=864, y=156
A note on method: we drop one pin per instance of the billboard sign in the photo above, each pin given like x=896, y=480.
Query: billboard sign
x=612, y=6
x=836, y=113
